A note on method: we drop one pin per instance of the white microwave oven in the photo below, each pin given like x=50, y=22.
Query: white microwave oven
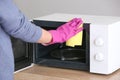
x=101, y=46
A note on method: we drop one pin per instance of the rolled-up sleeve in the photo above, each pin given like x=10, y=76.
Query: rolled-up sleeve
x=16, y=24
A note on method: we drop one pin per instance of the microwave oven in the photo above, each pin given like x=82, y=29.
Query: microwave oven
x=100, y=49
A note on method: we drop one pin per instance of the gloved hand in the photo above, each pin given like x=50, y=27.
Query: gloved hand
x=66, y=31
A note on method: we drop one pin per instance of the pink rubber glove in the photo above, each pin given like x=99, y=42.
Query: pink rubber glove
x=66, y=31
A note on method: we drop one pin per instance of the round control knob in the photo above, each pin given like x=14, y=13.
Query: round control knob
x=99, y=42
x=99, y=57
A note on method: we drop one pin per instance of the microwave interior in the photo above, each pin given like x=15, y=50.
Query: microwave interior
x=59, y=55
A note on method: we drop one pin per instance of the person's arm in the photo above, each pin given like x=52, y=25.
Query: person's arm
x=16, y=24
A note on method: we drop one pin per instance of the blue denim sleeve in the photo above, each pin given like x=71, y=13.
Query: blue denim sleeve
x=16, y=24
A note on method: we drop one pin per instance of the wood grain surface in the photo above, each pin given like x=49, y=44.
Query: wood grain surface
x=49, y=73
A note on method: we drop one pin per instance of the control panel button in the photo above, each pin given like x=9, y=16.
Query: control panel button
x=99, y=57
x=99, y=42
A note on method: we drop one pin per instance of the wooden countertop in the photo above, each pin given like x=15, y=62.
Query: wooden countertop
x=49, y=73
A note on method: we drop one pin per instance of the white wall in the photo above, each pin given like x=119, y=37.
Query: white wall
x=36, y=8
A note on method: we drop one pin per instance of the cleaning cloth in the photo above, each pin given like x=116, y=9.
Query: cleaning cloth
x=75, y=40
